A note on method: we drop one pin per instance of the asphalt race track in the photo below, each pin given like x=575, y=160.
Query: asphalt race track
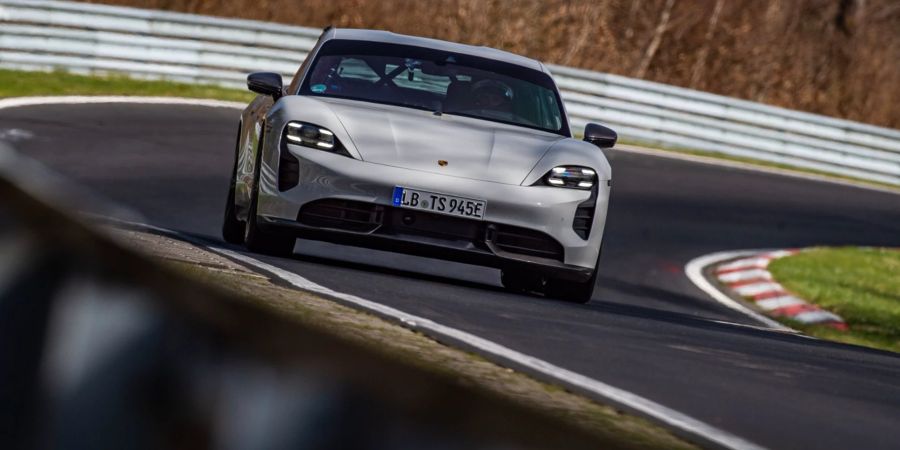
x=647, y=330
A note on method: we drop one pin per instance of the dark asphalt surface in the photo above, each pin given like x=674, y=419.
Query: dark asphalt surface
x=648, y=329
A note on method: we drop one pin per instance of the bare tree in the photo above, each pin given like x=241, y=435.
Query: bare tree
x=834, y=57
x=658, y=33
x=700, y=65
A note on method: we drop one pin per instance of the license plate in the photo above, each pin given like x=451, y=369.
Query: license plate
x=439, y=203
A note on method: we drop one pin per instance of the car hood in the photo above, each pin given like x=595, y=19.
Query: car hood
x=418, y=140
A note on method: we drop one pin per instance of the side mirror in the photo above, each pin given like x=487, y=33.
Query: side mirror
x=600, y=136
x=266, y=83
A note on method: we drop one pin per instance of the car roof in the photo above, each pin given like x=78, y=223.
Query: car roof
x=403, y=39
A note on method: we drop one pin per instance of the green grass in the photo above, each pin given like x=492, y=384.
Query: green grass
x=862, y=285
x=14, y=83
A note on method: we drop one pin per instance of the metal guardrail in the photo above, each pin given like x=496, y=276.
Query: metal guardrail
x=44, y=35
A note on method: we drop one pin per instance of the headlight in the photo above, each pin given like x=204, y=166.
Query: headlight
x=574, y=177
x=313, y=136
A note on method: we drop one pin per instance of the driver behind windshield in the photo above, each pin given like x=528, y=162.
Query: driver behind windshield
x=433, y=80
x=492, y=95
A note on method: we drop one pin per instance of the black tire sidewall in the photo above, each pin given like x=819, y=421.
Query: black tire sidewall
x=574, y=291
x=255, y=239
x=233, y=228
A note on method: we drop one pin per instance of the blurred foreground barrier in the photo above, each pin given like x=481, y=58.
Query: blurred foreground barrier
x=102, y=348
x=183, y=47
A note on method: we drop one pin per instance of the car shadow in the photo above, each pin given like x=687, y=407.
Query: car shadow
x=599, y=304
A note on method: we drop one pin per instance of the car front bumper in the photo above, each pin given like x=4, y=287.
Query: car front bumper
x=539, y=213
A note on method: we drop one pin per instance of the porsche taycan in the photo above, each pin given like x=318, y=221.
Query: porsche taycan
x=424, y=147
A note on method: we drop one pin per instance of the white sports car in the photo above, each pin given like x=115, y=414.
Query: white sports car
x=426, y=147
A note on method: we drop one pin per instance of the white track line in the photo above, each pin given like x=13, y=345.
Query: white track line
x=744, y=264
x=745, y=275
x=680, y=423
x=817, y=316
x=784, y=301
x=694, y=272
x=758, y=288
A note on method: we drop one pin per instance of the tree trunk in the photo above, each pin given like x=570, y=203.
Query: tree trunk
x=697, y=73
x=656, y=41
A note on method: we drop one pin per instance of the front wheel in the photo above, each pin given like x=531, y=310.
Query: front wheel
x=232, y=227
x=258, y=240
x=571, y=291
x=521, y=281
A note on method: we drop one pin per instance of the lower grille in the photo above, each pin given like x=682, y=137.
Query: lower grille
x=342, y=215
x=405, y=221
x=525, y=242
x=349, y=215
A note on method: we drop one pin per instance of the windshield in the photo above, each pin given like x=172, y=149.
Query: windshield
x=435, y=80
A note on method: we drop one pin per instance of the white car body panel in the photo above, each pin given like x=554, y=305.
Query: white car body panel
x=415, y=139
x=391, y=146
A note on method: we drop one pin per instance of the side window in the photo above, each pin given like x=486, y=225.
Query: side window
x=295, y=82
x=552, y=118
x=298, y=77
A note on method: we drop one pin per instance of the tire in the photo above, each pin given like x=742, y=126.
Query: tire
x=521, y=281
x=573, y=291
x=232, y=228
x=255, y=239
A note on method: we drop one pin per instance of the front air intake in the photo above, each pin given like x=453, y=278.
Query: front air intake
x=584, y=216
x=347, y=215
x=288, y=170
x=522, y=241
